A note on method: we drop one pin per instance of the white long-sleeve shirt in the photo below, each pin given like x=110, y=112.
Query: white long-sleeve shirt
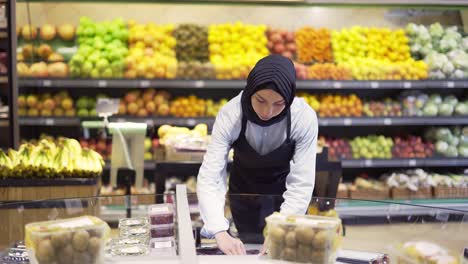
x=212, y=177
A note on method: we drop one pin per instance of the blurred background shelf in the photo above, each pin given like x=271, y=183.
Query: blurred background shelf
x=237, y=84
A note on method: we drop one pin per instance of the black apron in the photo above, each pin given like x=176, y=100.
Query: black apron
x=252, y=173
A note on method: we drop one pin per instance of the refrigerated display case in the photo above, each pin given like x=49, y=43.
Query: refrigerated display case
x=388, y=68
x=371, y=231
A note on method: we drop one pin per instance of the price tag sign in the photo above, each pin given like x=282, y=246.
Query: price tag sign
x=347, y=121
x=407, y=85
x=49, y=121
x=102, y=83
x=191, y=122
x=374, y=85
x=412, y=162
x=387, y=121
x=46, y=83
x=199, y=84
x=337, y=85
x=144, y=84
x=450, y=84
x=368, y=163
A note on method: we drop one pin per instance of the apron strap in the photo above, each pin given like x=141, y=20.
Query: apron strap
x=288, y=129
x=244, y=126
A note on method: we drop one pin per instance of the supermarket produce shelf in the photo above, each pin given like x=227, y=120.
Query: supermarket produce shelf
x=404, y=163
x=352, y=208
x=179, y=121
x=236, y=84
x=347, y=209
x=49, y=121
x=394, y=121
x=149, y=165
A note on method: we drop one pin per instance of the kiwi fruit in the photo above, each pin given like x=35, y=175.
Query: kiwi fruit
x=45, y=252
x=305, y=235
x=291, y=239
x=80, y=240
x=60, y=240
x=276, y=234
x=94, y=245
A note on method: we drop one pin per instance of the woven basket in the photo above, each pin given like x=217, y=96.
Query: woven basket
x=369, y=194
x=405, y=193
x=450, y=192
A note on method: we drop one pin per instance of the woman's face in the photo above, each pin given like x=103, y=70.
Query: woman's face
x=267, y=104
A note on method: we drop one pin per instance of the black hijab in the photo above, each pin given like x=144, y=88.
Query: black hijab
x=272, y=72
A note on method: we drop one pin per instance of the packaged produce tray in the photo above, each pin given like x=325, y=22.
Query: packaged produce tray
x=175, y=154
x=404, y=193
x=370, y=194
x=450, y=192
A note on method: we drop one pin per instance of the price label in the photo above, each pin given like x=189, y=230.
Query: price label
x=144, y=84
x=150, y=122
x=450, y=84
x=407, y=85
x=337, y=85
x=47, y=83
x=368, y=163
x=102, y=83
x=348, y=121
x=387, y=121
x=49, y=121
x=374, y=85
x=412, y=163
x=199, y=84
x=191, y=122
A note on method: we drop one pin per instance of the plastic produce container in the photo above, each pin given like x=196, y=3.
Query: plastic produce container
x=164, y=242
x=159, y=231
x=423, y=252
x=133, y=222
x=161, y=214
x=305, y=239
x=81, y=239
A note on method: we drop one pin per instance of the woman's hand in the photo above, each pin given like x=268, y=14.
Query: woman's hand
x=229, y=245
x=263, y=251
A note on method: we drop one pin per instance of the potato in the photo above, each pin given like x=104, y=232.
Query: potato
x=65, y=255
x=94, y=246
x=303, y=253
x=276, y=234
x=322, y=239
x=80, y=240
x=45, y=252
x=319, y=256
x=61, y=239
x=291, y=239
x=305, y=235
x=82, y=258
x=289, y=254
x=274, y=250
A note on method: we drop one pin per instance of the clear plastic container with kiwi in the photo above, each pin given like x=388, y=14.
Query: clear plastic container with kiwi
x=304, y=239
x=68, y=241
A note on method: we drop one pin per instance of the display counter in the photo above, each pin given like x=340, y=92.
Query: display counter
x=364, y=238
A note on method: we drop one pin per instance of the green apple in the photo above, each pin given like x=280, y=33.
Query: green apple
x=100, y=30
x=75, y=71
x=85, y=50
x=87, y=68
x=84, y=20
x=95, y=73
x=107, y=73
x=102, y=64
x=107, y=38
x=77, y=60
x=89, y=31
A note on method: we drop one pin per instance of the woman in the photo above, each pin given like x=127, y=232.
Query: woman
x=274, y=136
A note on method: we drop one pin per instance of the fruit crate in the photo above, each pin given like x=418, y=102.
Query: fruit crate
x=20, y=201
x=405, y=193
x=450, y=192
x=369, y=194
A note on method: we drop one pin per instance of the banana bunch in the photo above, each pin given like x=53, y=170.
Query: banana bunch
x=47, y=159
x=6, y=166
